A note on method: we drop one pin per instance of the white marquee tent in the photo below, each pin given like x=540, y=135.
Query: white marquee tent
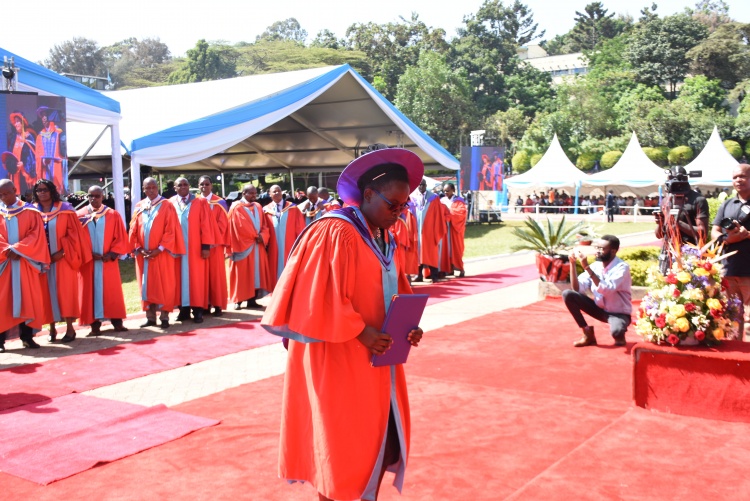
x=715, y=163
x=554, y=170
x=302, y=121
x=83, y=106
x=634, y=170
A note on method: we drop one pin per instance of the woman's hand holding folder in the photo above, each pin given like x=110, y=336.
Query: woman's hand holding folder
x=375, y=341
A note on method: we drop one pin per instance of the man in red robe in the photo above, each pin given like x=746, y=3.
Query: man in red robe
x=23, y=255
x=344, y=422
x=288, y=223
x=155, y=239
x=431, y=228
x=100, y=282
x=250, y=274
x=457, y=207
x=194, y=215
x=444, y=246
x=217, y=269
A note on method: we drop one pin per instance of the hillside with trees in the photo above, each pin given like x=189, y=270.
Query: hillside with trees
x=668, y=78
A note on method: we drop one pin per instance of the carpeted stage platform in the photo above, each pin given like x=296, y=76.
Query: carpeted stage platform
x=503, y=407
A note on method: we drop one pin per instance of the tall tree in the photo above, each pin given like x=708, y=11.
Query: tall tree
x=658, y=49
x=486, y=47
x=712, y=13
x=437, y=99
x=724, y=55
x=207, y=62
x=80, y=56
x=130, y=56
x=393, y=47
x=326, y=39
x=288, y=29
x=507, y=126
x=529, y=89
x=593, y=25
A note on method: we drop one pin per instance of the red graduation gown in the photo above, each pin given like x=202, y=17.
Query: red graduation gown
x=191, y=270
x=335, y=405
x=158, y=221
x=242, y=271
x=114, y=239
x=217, y=269
x=32, y=245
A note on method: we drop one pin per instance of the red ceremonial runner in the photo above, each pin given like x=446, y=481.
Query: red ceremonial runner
x=31, y=383
x=57, y=438
x=460, y=287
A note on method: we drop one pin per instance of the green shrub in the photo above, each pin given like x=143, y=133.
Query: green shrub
x=610, y=158
x=713, y=208
x=657, y=155
x=640, y=259
x=681, y=155
x=586, y=161
x=734, y=148
x=521, y=162
x=747, y=148
x=535, y=159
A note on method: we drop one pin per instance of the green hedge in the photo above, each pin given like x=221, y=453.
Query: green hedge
x=640, y=259
x=586, y=161
x=657, y=155
x=713, y=208
x=681, y=155
x=535, y=159
x=734, y=148
x=610, y=158
x=521, y=162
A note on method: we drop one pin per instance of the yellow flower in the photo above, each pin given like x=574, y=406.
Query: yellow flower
x=701, y=272
x=713, y=303
x=718, y=333
x=677, y=310
x=682, y=324
x=684, y=277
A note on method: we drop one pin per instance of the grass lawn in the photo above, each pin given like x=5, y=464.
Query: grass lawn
x=493, y=239
x=481, y=240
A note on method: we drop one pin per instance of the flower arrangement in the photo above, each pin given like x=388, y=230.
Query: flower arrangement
x=690, y=304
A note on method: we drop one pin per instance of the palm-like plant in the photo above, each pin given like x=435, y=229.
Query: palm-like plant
x=549, y=241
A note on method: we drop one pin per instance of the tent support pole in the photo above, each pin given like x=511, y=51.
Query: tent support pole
x=118, y=176
x=82, y=157
x=291, y=181
x=135, y=181
x=223, y=195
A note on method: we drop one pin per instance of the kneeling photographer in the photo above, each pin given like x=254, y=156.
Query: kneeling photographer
x=733, y=224
x=684, y=210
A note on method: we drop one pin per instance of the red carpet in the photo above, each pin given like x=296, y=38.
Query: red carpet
x=498, y=411
x=455, y=288
x=58, y=438
x=78, y=373
x=694, y=381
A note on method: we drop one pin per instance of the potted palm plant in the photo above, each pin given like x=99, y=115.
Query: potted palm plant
x=550, y=242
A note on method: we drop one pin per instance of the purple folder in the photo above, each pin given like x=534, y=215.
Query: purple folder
x=404, y=315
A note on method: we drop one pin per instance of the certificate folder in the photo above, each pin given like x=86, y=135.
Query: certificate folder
x=404, y=315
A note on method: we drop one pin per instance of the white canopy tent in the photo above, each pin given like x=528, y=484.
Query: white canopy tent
x=554, y=170
x=302, y=121
x=715, y=163
x=83, y=105
x=634, y=170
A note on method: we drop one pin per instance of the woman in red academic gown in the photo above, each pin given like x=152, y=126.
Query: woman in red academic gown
x=344, y=423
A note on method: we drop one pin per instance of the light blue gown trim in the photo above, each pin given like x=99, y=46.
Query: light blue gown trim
x=285, y=331
x=96, y=232
x=280, y=227
x=147, y=219
x=52, y=272
x=255, y=218
x=185, y=258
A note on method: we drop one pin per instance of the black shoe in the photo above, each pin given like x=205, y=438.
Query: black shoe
x=252, y=303
x=620, y=341
x=218, y=312
x=119, y=326
x=238, y=306
x=198, y=317
x=30, y=343
x=95, y=329
x=164, y=324
x=184, y=314
x=52, y=337
x=419, y=278
x=69, y=338
x=148, y=323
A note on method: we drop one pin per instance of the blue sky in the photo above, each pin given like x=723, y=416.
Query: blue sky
x=181, y=24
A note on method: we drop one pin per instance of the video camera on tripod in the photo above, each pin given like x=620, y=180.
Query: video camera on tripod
x=678, y=187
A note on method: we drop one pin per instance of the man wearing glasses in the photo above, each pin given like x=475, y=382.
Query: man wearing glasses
x=108, y=239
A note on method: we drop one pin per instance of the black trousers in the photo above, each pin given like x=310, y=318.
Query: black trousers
x=578, y=304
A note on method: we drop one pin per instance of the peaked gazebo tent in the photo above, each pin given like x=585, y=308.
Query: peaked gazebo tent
x=634, y=170
x=715, y=163
x=301, y=121
x=554, y=170
x=83, y=105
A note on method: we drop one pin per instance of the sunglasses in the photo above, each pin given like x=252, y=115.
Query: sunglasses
x=392, y=206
